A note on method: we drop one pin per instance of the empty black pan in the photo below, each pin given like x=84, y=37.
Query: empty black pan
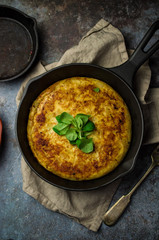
x=120, y=78
x=18, y=42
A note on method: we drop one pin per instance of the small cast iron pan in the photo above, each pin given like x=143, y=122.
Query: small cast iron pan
x=120, y=78
x=18, y=43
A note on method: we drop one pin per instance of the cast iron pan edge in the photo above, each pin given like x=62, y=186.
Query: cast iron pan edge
x=31, y=92
x=30, y=24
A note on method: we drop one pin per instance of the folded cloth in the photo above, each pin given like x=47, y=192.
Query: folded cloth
x=103, y=45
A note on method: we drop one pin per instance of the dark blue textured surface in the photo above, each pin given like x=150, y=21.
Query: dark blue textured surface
x=61, y=25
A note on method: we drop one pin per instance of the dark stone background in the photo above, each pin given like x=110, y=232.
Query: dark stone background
x=61, y=24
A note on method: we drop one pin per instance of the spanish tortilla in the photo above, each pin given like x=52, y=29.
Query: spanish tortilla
x=111, y=137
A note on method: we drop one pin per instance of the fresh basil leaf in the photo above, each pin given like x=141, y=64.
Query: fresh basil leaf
x=56, y=131
x=88, y=127
x=83, y=117
x=58, y=118
x=66, y=118
x=71, y=134
x=86, y=145
x=96, y=90
x=64, y=131
x=60, y=126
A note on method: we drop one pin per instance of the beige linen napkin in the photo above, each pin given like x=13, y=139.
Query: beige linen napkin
x=102, y=45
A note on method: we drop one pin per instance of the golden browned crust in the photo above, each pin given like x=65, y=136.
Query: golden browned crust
x=111, y=136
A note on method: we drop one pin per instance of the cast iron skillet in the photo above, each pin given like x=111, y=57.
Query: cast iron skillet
x=18, y=42
x=120, y=78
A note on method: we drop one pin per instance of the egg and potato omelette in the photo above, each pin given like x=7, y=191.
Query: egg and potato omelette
x=111, y=136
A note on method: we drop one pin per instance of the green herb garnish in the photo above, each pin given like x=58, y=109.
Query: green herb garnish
x=61, y=128
x=76, y=130
x=89, y=126
x=86, y=145
x=64, y=118
x=71, y=134
x=96, y=90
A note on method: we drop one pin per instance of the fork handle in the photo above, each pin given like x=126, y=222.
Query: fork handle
x=113, y=214
x=116, y=210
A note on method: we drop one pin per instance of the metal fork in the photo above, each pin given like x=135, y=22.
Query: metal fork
x=113, y=214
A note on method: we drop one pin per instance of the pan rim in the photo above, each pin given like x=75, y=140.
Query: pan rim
x=35, y=48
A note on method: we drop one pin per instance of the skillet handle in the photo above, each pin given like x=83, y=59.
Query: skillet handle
x=128, y=69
